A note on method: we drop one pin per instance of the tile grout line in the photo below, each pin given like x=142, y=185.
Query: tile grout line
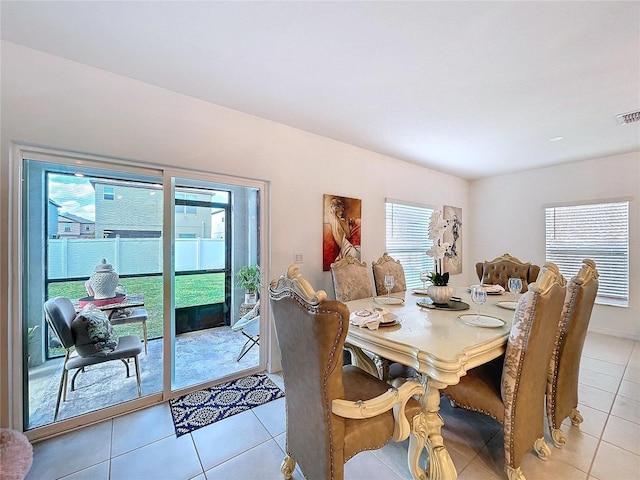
x=606, y=422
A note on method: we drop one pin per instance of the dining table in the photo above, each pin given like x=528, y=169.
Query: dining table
x=441, y=342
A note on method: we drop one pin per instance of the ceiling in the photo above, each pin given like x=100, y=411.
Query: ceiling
x=473, y=89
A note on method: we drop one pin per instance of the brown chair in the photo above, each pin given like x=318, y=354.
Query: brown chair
x=351, y=279
x=386, y=265
x=562, y=381
x=511, y=388
x=333, y=412
x=499, y=270
x=60, y=315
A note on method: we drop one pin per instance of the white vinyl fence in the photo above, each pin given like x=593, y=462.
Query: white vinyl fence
x=73, y=258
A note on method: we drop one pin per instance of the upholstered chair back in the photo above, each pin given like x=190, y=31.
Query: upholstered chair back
x=386, y=265
x=311, y=337
x=333, y=412
x=351, y=279
x=524, y=375
x=499, y=270
x=59, y=314
x=562, y=381
x=511, y=389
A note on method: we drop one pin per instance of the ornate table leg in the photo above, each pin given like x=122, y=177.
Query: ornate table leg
x=362, y=360
x=426, y=432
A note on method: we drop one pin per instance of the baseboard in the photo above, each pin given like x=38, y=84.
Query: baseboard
x=614, y=333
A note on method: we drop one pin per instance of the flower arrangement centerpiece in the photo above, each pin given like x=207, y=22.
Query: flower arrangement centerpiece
x=439, y=292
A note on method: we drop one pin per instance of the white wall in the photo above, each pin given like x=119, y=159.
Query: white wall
x=507, y=215
x=61, y=104
x=57, y=103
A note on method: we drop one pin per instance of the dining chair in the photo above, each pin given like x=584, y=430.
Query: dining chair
x=351, y=279
x=511, y=388
x=562, y=380
x=499, y=270
x=386, y=265
x=88, y=340
x=333, y=411
x=249, y=326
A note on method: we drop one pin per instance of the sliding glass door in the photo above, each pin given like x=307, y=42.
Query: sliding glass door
x=215, y=227
x=174, y=242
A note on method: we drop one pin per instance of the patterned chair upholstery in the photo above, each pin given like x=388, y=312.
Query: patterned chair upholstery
x=499, y=270
x=562, y=381
x=511, y=388
x=386, y=265
x=351, y=279
x=333, y=412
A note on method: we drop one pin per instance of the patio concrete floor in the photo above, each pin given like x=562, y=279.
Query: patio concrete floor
x=200, y=356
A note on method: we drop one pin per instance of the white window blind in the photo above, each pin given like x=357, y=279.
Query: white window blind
x=598, y=231
x=407, y=239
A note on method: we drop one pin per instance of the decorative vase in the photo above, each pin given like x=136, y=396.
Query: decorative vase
x=440, y=294
x=103, y=281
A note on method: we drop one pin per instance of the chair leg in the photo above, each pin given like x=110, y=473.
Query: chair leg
x=124, y=360
x=144, y=335
x=61, y=388
x=558, y=437
x=576, y=417
x=287, y=467
x=542, y=449
x=514, y=473
x=137, y=363
x=247, y=346
x=73, y=381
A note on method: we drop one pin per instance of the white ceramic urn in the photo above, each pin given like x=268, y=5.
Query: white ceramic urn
x=104, y=281
x=440, y=294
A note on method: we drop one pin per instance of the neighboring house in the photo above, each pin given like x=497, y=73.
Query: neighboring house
x=73, y=226
x=52, y=219
x=134, y=210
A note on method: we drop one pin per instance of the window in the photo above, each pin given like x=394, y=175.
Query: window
x=407, y=238
x=109, y=193
x=598, y=231
x=186, y=203
x=67, y=228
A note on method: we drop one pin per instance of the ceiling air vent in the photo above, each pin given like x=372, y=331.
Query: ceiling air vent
x=629, y=117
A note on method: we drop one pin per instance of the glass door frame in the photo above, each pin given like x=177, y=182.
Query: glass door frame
x=168, y=248
x=17, y=328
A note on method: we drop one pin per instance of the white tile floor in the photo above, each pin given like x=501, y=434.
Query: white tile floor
x=143, y=445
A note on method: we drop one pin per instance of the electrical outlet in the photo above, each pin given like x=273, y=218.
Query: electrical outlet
x=298, y=259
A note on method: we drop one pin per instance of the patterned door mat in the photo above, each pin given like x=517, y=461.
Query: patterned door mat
x=204, y=407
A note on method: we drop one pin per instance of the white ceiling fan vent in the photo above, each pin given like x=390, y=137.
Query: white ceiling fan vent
x=629, y=117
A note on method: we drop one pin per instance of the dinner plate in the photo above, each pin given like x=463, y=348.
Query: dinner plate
x=507, y=305
x=389, y=300
x=486, y=321
x=419, y=291
x=392, y=320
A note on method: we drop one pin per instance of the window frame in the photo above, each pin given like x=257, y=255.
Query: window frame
x=584, y=222
x=109, y=193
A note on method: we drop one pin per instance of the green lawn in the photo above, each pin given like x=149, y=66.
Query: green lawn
x=190, y=290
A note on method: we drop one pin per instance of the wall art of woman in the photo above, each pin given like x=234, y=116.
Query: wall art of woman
x=341, y=229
